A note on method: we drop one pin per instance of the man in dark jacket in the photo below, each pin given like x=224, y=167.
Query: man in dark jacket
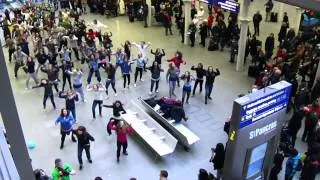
x=203, y=33
x=269, y=46
x=257, y=18
x=269, y=7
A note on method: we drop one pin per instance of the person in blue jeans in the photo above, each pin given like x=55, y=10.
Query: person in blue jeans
x=98, y=90
x=187, y=86
x=93, y=68
x=126, y=72
x=139, y=68
x=172, y=77
x=66, y=122
x=210, y=77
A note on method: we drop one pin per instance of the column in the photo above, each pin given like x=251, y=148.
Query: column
x=317, y=75
x=12, y=124
x=187, y=19
x=281, y=11
x=244, y=24
x=298, y=20
x=148, y=2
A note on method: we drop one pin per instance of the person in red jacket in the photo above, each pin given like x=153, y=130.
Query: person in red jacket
x=177, y=61
x=310, y=109
x=210, y=22
x=122, y=131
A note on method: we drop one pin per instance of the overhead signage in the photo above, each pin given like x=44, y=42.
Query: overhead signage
x=230, y=5
x=253, y=111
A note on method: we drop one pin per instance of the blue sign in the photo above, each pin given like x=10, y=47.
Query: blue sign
x=230, y=5
x=264, y=106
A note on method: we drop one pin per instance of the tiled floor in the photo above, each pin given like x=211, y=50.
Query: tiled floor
x=204, y=120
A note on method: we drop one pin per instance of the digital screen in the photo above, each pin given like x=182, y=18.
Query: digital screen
x=230, y=5
x=256, y=160
x=265, y=106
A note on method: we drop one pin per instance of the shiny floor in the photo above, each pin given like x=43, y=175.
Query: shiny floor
x=204, y=120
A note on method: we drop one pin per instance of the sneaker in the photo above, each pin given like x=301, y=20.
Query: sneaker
x=135, y=85
x=142, y=80
x=80, y=167
x=118, y=160
x=187, y=102
x=61, y=147
x=125, y=153
x=90, y=161
x=150, y=93
x=210, y=98
x=26, y=88
x=157, y=91
x=115, y=94
x=84, y=100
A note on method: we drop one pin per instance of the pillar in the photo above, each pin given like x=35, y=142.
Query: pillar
x=317, y=75
x=281, y=11
x=187, y=19
x=149, y=18
x=298, y=20
x=244, y=24
x=12, y=124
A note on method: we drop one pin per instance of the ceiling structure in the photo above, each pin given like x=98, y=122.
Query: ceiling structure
x=305, y=4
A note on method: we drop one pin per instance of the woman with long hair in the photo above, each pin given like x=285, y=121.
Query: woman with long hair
x=117, y=108
x=177, y=61
x=155, y=76
x=201, y=72
x=140, y=63
x=187, y=86
x=122, y=129
x=31, y=72
x=210, y=77
x=98, y=90
x=66, y=122
x=126, y=72
x=84, y=139
x=217, y=158
x=111, y=78
x=127, y=48
x=172, y=77
x=158, y=54
x=48, y=92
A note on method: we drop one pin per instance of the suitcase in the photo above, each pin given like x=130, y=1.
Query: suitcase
x=253, y=71
x=213, y=45
x=274, y=17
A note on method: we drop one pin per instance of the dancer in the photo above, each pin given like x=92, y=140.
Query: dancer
x=210, y=77
x=66, y=122
x=142, y=48
x=120, y=58
x=117, y=109
x=111, y=78
x=158, y=55
x=19, y=58
x=172, y=77
x=127, y=48
x=77, y=82
x=98, y=89
x=66, y=67
x=177, y=61
x=187, y=86
x=97, y=27
x=139, y=68
x=84, y=139
x=42, y=59
x=31, y=72
x=155, y=76
x=93, y=68
x=48, y=92
x=122, y=130
x=71, y=98
x=126, y=72
x=53, y=75
x=62, y=171
x=200, y=75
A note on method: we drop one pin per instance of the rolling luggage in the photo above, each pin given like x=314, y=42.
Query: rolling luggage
x=213, y=45
x=274, y=17
x=253, y=71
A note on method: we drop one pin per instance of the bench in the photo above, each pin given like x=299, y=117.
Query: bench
x=152, y=134
x=178, y=130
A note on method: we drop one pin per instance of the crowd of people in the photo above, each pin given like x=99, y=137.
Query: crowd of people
x=37, y=40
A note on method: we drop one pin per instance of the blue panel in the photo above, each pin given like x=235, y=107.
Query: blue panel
x=226, y=4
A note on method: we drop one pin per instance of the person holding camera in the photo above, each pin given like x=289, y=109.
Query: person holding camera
x=217, y=159
x=62, y=171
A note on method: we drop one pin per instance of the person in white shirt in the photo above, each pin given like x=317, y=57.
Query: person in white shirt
x=98, y=90
x=142, y=48
x=97, y=27
x=201, y=15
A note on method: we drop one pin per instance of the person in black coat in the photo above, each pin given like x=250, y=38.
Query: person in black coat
x=269, y=46
x=71, y=99
x=291, y=34
x=295, y=124
x=253, y=44
x=217, y=158
x=285, y=18
x=192, y=33
x=181, y=28
x=48, y=92
x=282, y=33
x=117, y=109
x=84, y=139
x=277, y=162
x=66, y=67
x=315, y=92
x=200, y=75
x=203, y=33
x=257, y=18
